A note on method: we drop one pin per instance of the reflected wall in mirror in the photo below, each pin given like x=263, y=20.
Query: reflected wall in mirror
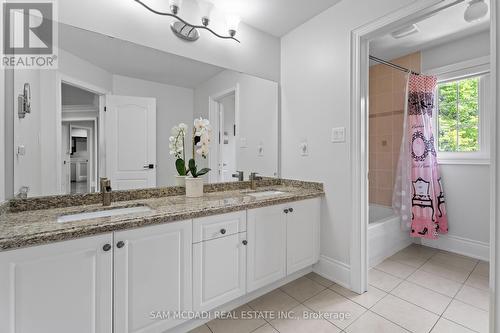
x=109, y=108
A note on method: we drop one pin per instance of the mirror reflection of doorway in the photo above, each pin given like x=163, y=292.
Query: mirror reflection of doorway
x=79, y=144
x=226, y=137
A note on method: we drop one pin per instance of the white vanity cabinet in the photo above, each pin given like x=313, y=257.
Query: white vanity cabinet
x=58, y=288
x=219, y=259
x=282, y=240
x=152, y=274
x=302, y=234
x=266, y=252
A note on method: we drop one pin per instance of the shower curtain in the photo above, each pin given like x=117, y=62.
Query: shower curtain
x=418, y=195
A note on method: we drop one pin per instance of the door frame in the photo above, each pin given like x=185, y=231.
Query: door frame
x=92, y=163
x=63, y=78
x=360, y=38
x=214, y=118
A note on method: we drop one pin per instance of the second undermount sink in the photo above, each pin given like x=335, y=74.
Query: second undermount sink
x=103, y=213
x=265, y=193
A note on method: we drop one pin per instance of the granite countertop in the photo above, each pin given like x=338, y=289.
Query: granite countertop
x=35, y=227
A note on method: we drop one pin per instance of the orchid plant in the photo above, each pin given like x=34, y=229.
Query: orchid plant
x=177, y=148
x=201, y=142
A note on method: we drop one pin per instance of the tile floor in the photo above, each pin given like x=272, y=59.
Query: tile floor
x=419, y=289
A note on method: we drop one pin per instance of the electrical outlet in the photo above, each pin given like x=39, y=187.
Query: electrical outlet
x=338, y=134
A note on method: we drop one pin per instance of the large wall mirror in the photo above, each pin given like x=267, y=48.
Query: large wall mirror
x=109, y=108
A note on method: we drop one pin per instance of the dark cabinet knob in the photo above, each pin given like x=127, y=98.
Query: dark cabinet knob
x=286, y=211
x=290, y=210
x=120, y=244
x=106, y=247
x=223, y=231
x=245, y=242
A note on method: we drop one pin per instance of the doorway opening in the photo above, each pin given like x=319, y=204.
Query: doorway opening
x=79, y=139
x=224, y=116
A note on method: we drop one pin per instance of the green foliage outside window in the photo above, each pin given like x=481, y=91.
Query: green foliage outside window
x=458, y=116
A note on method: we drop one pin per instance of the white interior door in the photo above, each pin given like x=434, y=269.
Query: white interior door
x=130, y=135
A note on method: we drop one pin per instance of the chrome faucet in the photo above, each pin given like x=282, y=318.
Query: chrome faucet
x=106, y=191
x=253, y=180
x=239, y=175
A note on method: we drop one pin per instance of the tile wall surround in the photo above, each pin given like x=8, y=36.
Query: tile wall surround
x=386, y=94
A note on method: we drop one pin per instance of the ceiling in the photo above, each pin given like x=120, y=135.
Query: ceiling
x=276, y=17
x=128, y=59
x=445, y=26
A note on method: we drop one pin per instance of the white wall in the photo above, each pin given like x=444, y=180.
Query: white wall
x=258, y=54
x=257, y=100
x=173, y=106
x=315, y=78
x=2, y=136
x=471, y=47
x=467, y=187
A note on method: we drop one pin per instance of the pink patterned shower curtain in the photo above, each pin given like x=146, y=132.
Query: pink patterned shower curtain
x=418, y=194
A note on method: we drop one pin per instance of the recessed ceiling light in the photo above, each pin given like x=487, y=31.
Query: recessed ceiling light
x=476, y=10
x=405, y=31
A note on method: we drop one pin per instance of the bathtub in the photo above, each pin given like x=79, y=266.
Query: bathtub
x=385, y=236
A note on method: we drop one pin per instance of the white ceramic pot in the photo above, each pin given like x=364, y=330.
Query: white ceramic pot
x=180, y=180
x=194, y=187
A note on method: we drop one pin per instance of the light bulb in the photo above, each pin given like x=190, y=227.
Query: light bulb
x=232, y=22
x=175, y=6
x=476, y=10
x=206, y=8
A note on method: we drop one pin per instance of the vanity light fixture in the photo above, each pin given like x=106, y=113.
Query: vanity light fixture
x=190, y=32
x=476, y=10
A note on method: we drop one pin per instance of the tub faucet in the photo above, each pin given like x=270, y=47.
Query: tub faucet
x=253, y=180
x=106, y=191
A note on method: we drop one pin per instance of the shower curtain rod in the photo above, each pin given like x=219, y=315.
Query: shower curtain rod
x=390, y=64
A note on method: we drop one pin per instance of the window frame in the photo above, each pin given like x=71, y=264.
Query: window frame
x=478, y=67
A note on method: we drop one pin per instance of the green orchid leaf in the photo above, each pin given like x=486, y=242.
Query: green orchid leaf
x=180, y=165
x=203, y=171
x=192, y=168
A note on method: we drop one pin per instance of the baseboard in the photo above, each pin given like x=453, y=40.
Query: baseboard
x=459, y=245
x=334, y=270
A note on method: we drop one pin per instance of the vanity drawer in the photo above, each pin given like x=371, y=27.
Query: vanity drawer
x=211, y=227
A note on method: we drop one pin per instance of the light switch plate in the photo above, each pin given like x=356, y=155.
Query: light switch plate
x=338, y=134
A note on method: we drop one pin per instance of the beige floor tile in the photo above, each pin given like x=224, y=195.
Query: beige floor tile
x=383, y=281
x=201, y=329
x=456, y=274
x=395, y=268
x=435, y=282
x=468, y=316
x=456, y=260
x=301, y=324
x=302, y=288
x=477, y=297
x=239, y=323
x=275, y=301
x=371, y=322
x=423, y=297
x=445, y=326
x=419, y=250
x=478, y=281
x=265, y=329
x=482, y=268
x=330, y=302
x=405, y=314
x=319, y=279
x=367, y=299
x=409, y=259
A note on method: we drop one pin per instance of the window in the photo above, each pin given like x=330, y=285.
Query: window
x=461, y=124
x=458, y=115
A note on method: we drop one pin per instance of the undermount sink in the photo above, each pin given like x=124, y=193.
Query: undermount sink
x=103, y=213
x=265, y=194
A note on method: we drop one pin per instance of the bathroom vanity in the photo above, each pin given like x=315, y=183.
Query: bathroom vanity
x=126, y=272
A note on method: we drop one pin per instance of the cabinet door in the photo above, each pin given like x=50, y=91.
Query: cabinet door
x=152, y=277
x=302, y=227
x=57, y=288
x=266, y=250
x=219, y=268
